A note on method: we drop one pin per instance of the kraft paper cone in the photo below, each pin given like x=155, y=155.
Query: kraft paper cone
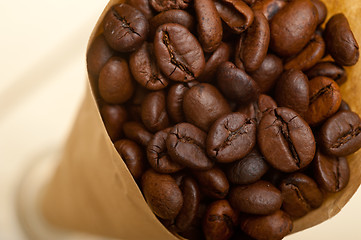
x=93, y=191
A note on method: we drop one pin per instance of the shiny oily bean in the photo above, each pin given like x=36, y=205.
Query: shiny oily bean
x=269, y=7
x=178, y=52
x=162, y=194
x=136, y=131
x=270, y=227
x=125, y=28
x=158, y=156
x=143, y=6
x=321, y=10
x=219, y=221
x=325, y=100
x=340, y=41
x=340, y=135
x=213, y=182
x=132, y=155
x=300, y=195
x=260, y=197
x=286, y=140
x=292, y=27
x=164, y=5
x=331, y=173
x=114, y=116
x=231, y=137
x=328, y=69
x=186, y=146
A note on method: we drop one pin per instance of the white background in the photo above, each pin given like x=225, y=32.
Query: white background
x=42, y=66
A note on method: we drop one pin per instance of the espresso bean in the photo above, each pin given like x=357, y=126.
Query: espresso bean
x=266, y=103
x=260, y=197
x=132, y=155
x=203, y=104
x=325, y=100
x=186, y=146
x=340, y=41
x=125, y=28
x=164, y=5
x=328, y=69
x=162, y=194
x=178, y=52
x=292, y=91
x=143, y=6
x=158, y=156
x=247, y=170
x=344, y=106
x=114, y=116
x=321, y=10
x=213, y=182
x=286, y=140
x=236, y=84
x=115, y=81
x=340, y=134
x=331, y=173
x=219, y=221
x=270, y=227
x=154, y=114
x=136, y=131
x=269, y=8
x=300, y=195
x=292, y=27
x=231, y=137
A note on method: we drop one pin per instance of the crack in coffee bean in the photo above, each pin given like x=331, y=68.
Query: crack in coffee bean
x=337, y=176
x=125, y=23
x=299, y=195
x=321, y=92
x=347, y=137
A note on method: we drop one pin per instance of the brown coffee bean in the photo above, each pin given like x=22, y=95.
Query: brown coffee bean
x=266, y=104
x=340, y=41
x=114, y=116
x=321, y=10
x=164, y=5
x=115, y=81
x=344, y=106
x=125, y=28
x=328, y=69
x=143, y=6
x=300, y=195
x=219, y=221
x=325, y=100
x=213, y=182
x=260, y=197
x=162, y=194
x=270, y=227
x=209, y=27
x=134, y=105
x=132, y=155
x=331, y=173
x=269, y=8
x=292, y=91
x=231, y=137
x=286, y=140
x=186, y=145
x=203, y=104
x=340, y=134
x=154, y=114
x=178, y=52
x=136, y=131
x=292, y=27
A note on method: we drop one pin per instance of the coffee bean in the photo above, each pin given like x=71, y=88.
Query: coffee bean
x=344, y=106
x=136, y=131
x=321, y=10
x=266, y=103
x=328, y=69
x=134, y=105
x=164, y=5
x=213, y=182
x=269, y=8
x=114, y=117
x=143, y=6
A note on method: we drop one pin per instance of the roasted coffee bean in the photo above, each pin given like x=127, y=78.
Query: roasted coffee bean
x=164, y=5
x=219, y=221
x=154, y=114
x=340, y=134
x=269, y=8
x=171, y=16
x=300, y=195
x=255, y=43
x=143, y=6
x=256, y=109
x=231, y=137
x=162, y=194
x=158, y=156
x=309, y=56
x=203, y=104
x=321, y=10
x=136, y=131
x=325, y=100
x=328, y=69
x=286, y=140
x=344, y=106
x=340, y=41
x=260, y=197
x=237, y=58
x=178, y=52
x=292, y=27
x=132, y=155
x=186, y=145
x=236, y=84
x=266, y=103
x=213, y=182
x=268, y=73
x=292, y=91
x=114, y=116
x=247, y=170
x=98, y=54
x=125, y=28
x=236, y=14
x=115, y=81
x=134, y=105
x=209, y=27
x=271, y=227
x=331, y=173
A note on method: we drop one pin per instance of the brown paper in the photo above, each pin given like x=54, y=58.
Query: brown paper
x=93, y=191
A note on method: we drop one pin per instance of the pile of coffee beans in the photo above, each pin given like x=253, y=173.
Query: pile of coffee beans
x=228, y=113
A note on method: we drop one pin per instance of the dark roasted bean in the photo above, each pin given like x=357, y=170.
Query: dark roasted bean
x=213, y=182
x=136, y=131
x=328, y=69
x=114, y=116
